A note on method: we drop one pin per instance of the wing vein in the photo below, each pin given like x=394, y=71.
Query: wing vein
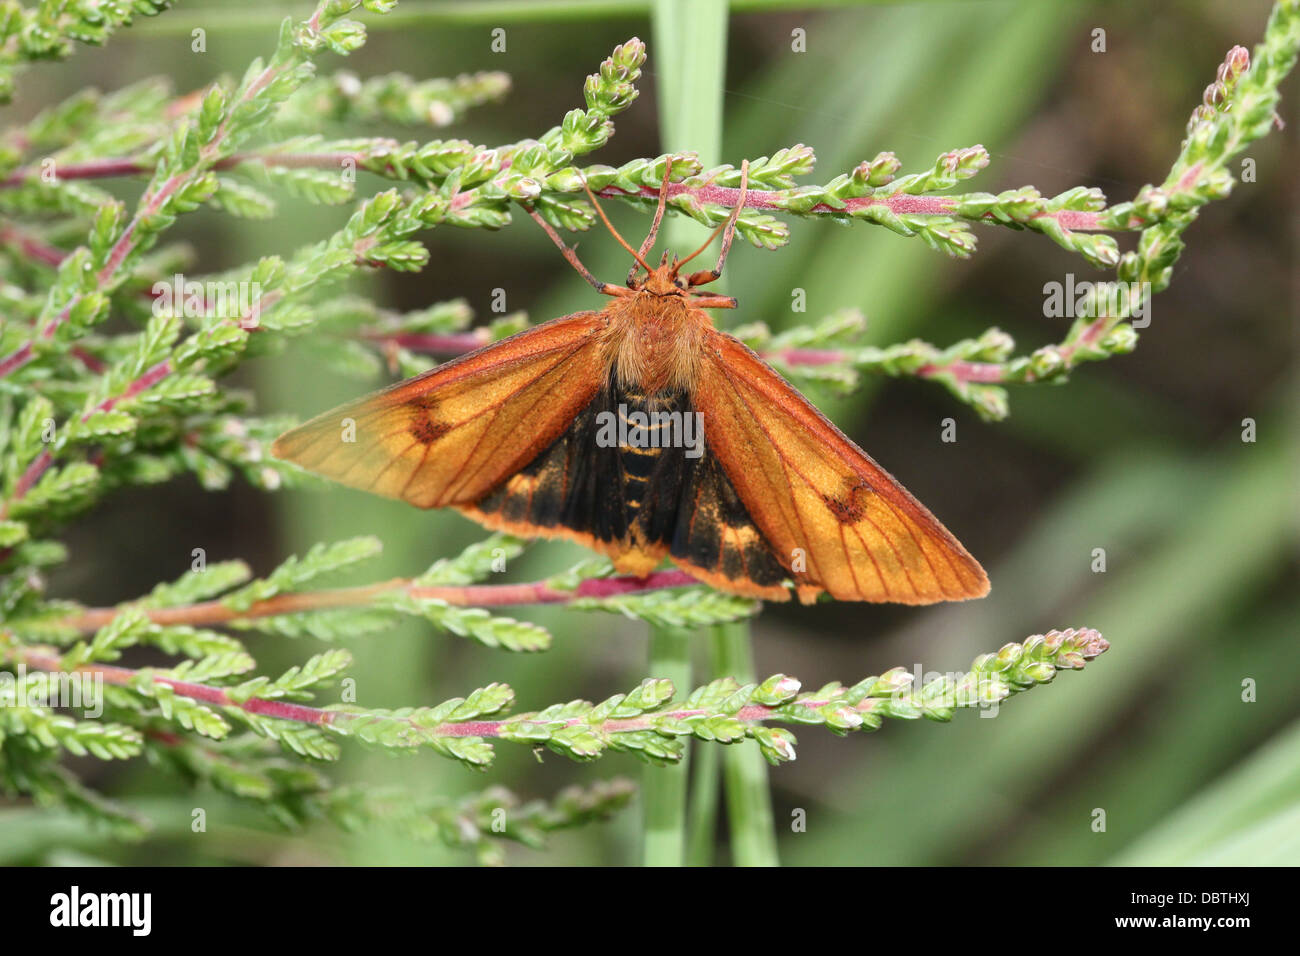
x=803, y=531
x=496, y=409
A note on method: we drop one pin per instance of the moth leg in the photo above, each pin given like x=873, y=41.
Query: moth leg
x=572, y=258
x=659, y=217
x=712, y=275
x=714, y=302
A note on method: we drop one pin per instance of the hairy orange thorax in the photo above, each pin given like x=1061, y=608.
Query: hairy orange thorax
x=655, y=334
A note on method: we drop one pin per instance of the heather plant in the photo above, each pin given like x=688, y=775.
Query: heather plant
x=116, y=353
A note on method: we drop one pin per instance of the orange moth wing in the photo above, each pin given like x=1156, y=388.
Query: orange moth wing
x=838, y=520
x=449, y=436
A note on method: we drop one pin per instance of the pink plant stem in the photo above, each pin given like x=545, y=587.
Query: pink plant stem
x=29, y=477
x=123, y=676
x=16, y=359
x=900, y=203
x=1090, y=336
x=806, y=356
x=89, y=360
x=1088, y=645
x=41, y=463
x=87, y=169
x=725, y=196
x=149, y=379
x=992, y=372
x=985, y=372
x=122, y=166
x=315, y=716
x=478, y=595
x=31, y=246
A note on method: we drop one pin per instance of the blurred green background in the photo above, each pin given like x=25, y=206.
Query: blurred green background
x=1141, y=455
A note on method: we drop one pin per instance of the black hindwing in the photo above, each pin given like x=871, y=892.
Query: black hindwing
x=632, y=470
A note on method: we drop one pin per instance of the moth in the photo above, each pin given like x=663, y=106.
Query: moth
x=644, y=433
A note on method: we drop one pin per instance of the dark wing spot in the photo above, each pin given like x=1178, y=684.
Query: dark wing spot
x=426, y=431
x=850, y=508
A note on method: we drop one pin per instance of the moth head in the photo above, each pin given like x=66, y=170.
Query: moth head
x=661, y=280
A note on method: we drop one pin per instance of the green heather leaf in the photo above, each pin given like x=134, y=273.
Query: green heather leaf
x=199, y=584
x=322, y=559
